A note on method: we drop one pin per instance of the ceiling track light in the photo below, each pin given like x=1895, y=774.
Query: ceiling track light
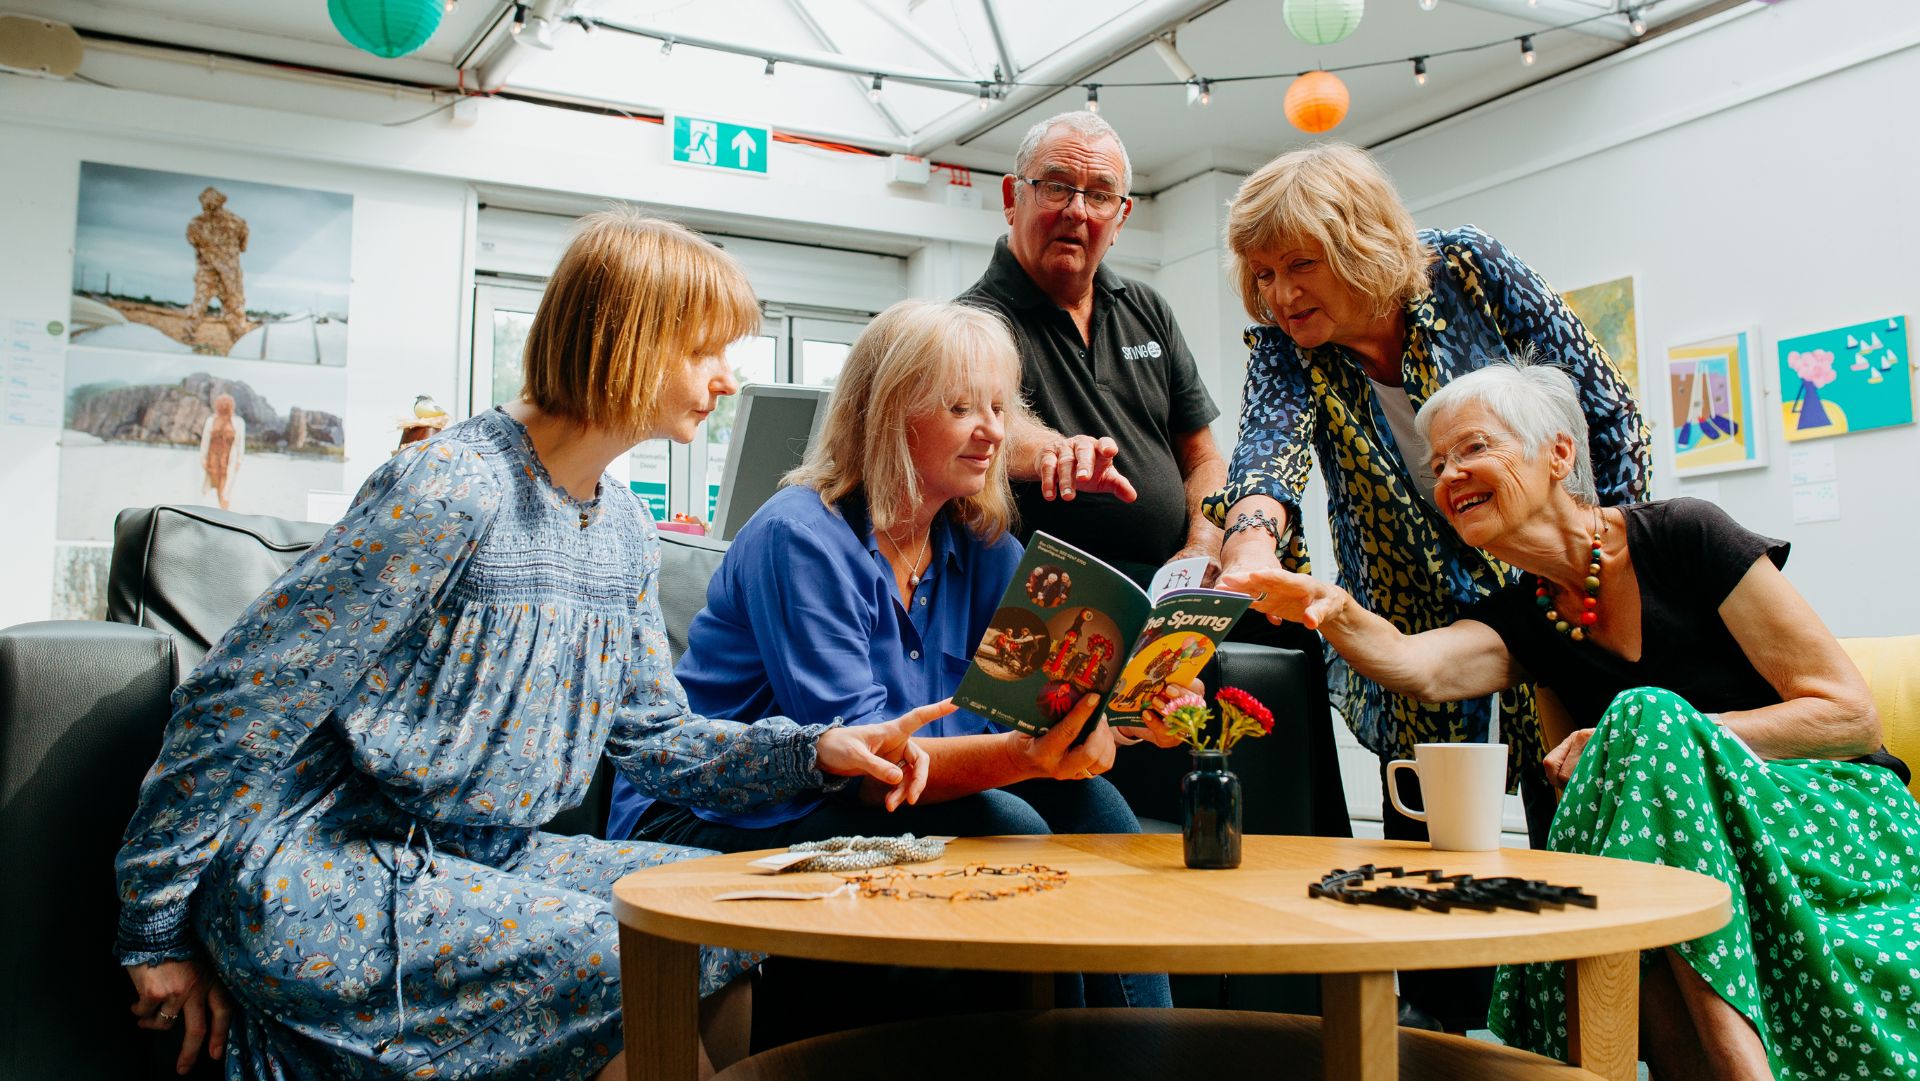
x=1526, y=49
x=1428, y=5
x=873, y=92
x=666, y=47
x=1093, y=97
x=1199, y=91
x=519, y=19
x=767, y=72
x=986, y=97
x=1419, y=71
x=1637, y=21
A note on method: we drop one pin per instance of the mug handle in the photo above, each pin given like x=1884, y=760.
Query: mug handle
x=1393, y=790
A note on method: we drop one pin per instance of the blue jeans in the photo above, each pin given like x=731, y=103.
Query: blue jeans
x=1032, y=807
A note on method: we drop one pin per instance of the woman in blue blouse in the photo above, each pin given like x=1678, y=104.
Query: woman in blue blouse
x=341, y=833
x=863, y=588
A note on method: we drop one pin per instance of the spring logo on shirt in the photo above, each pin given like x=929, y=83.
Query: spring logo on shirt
x=1140, y=352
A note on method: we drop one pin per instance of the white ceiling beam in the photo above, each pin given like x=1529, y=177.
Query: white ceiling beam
x=1076, y=63
x=1554, y=13
x=808, y=58
x=1008, y=68
x=821, y=36
x=905, y=28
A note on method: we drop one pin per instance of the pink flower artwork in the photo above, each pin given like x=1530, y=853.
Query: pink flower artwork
x=1815, y=366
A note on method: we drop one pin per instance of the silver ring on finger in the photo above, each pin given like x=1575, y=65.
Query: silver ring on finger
x=169, y=1018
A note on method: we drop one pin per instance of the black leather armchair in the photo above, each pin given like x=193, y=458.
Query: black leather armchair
x=83, y=704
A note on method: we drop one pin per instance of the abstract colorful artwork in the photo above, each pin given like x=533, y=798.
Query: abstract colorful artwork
x=1849, y=379
x=1710, y=387
x=1607, y=310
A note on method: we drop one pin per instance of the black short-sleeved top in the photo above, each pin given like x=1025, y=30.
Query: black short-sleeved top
x=1134, y=380
x=1688, y=556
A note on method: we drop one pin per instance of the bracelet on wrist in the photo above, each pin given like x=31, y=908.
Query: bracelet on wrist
x=1256, y=519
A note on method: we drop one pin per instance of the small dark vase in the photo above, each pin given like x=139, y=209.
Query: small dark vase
x=1210, y=802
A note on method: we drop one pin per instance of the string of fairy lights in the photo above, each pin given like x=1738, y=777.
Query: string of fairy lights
x=1318, y=91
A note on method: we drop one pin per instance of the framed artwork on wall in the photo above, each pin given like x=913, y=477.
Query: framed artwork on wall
x=1848, y=379
x=1715, y=405
x=1608, y=311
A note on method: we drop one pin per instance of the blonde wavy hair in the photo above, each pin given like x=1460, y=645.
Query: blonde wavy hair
x=916, y=358
x=1338, y=195
x=632, y=297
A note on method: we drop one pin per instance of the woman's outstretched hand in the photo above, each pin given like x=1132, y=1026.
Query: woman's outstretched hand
x=1284, y=595
x=184, y=991
x=885, y=752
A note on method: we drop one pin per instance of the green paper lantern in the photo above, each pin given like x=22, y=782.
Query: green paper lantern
x=386, y=28
x=1323, y=22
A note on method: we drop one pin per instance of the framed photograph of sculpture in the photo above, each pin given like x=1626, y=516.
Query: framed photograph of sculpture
x=1607, y=310
x=1848, y=379
x=1715, y=405
x=182, y=264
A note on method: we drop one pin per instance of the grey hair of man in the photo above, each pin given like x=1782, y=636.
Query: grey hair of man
x=1536, y=402
x=1082, y=123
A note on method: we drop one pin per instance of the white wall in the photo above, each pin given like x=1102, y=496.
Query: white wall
x=1757, y=171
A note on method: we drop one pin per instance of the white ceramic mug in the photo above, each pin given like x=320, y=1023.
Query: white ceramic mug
x=1461, y=785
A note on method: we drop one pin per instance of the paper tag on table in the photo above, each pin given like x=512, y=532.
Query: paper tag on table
x=780, y=861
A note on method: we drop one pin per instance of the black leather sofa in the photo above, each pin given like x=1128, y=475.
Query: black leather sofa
x=83, y=704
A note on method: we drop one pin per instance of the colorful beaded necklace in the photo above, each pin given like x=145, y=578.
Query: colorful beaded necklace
x=1576, y=627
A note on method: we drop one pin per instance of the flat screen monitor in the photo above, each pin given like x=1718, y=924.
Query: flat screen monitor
x=771, y=432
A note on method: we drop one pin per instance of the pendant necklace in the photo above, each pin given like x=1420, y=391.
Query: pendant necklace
x=913, y=571
x=1577, y=625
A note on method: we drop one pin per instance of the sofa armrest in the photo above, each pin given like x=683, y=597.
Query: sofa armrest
x=1289, y=776
x=82, y=709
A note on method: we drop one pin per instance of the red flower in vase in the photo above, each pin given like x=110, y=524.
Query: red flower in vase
x=1235, y=698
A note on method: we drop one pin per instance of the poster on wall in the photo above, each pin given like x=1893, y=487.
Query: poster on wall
x=1849, y=379
x=1607, y=310
x=1714, y=405
x=207, y=358
x=176, y=263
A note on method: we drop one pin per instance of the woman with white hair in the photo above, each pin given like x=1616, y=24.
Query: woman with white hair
x=865, y=584
x=1700, y=716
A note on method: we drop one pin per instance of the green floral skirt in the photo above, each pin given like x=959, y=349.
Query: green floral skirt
x=1823, y=951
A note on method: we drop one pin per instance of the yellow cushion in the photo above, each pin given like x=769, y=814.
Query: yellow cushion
x=1892, y=668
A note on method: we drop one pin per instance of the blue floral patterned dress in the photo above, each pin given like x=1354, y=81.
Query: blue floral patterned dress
x=345, y=811
x=1396, y=555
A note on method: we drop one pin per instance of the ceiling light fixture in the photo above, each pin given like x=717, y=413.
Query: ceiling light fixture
x=1093, y=97
x=1419, y=71
x=873, y=92
x=1199, y=92
x=519, y=19
x=1526, y=49
x=1428, y=5
x=986, y=98
x=1637, y=21
x=666, y=47
x=767, y=72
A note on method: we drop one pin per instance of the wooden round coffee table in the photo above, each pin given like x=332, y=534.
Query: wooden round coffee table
x=1131, y=905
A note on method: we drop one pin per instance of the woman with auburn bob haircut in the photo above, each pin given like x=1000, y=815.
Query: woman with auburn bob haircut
x=863, y=587
x=338, y=853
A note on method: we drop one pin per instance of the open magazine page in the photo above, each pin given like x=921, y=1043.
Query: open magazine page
x=1057, y=636
x=1177, y=640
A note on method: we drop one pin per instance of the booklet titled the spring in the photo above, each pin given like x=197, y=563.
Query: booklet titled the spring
x=1071, y=625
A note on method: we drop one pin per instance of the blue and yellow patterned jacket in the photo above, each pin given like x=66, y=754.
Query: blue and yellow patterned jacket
x=1395, y=553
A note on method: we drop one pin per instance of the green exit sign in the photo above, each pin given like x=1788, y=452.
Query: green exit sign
x=719, y=144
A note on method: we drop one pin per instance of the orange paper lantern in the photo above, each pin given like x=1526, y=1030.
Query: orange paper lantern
x=1316, y=102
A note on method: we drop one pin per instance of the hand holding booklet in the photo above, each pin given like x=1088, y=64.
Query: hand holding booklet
x=1071, y=625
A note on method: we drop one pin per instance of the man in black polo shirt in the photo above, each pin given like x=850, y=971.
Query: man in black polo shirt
x=1126, y=454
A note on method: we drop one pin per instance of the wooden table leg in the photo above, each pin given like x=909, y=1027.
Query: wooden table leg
x=1036, y=990
x=1359, y=1028
x=660, y=996
x=1603, y=1015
